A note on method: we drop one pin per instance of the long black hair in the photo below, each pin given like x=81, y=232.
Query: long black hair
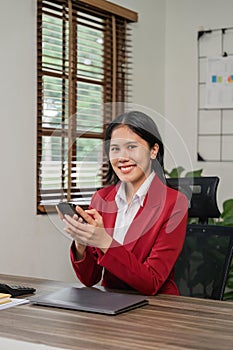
x=146, y=128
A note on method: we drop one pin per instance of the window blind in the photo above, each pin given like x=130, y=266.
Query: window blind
x=83, y=70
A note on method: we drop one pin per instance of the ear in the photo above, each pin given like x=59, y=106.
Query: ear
x=154, y=150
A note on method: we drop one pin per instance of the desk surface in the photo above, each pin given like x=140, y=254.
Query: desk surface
x=167, y=323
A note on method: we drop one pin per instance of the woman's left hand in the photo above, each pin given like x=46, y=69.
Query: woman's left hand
x=90, y=233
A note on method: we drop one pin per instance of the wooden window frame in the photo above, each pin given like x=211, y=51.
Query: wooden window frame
x=115, y=84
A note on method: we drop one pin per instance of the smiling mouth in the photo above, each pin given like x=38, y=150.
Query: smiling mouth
x=126, y=169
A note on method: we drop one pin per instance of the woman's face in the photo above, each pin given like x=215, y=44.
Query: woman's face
x=130, y=156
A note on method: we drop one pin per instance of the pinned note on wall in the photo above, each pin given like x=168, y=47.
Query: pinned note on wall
x=219, y=84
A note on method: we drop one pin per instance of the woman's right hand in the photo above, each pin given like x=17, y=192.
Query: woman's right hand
x=80, y=247
x=80, y=250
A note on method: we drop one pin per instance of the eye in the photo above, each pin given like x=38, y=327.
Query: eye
x=130, y=147
x=114, y=149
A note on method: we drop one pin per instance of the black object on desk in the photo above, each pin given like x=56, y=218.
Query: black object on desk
x=16, y=290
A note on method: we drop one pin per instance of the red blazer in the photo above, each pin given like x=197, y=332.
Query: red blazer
x=153, y=242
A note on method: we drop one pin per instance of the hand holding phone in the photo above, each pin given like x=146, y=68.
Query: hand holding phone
x=67, y=208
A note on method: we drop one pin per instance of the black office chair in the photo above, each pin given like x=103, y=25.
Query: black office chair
x=201, y=193
x=203, y=266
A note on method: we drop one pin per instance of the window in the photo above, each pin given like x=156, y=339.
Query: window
x=83, y=69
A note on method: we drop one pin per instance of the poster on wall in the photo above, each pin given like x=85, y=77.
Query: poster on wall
x=219, y=83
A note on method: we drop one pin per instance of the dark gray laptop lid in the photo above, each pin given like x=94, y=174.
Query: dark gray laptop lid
x=92, y=300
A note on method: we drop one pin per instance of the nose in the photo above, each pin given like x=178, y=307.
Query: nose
x=123, y=155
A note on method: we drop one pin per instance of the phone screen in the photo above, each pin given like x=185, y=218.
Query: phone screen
x=68, y=208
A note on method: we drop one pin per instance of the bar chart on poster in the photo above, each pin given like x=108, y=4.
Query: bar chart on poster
x=215, y=95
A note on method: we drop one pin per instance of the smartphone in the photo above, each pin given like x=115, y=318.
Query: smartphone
x=69, y=209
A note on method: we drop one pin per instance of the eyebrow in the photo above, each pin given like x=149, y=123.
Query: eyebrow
x=127, y=143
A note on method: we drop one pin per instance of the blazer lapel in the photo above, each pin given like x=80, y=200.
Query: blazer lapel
x=145, y=218
x=149, y=214
x=107, y=206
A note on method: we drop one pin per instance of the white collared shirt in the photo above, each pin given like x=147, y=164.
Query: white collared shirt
x=126, y=213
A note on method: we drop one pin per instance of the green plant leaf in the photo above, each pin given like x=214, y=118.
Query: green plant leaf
x=227, y=214
x=195, y=173
x=228, y=207
x=228, y=296
x=175, y=172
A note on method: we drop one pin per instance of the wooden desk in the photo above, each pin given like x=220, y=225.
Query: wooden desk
x=167, y=323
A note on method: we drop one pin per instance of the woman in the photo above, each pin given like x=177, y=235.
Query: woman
x=135, y=227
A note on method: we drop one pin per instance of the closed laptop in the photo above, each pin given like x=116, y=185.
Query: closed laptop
x=92, y=300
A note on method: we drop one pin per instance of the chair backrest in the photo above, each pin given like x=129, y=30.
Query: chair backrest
x=201, y=193
x=202, y=268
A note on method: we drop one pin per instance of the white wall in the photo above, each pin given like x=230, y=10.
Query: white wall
x=33, y=245
x=30, y=245
x=148, y=52
x=183, y=19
